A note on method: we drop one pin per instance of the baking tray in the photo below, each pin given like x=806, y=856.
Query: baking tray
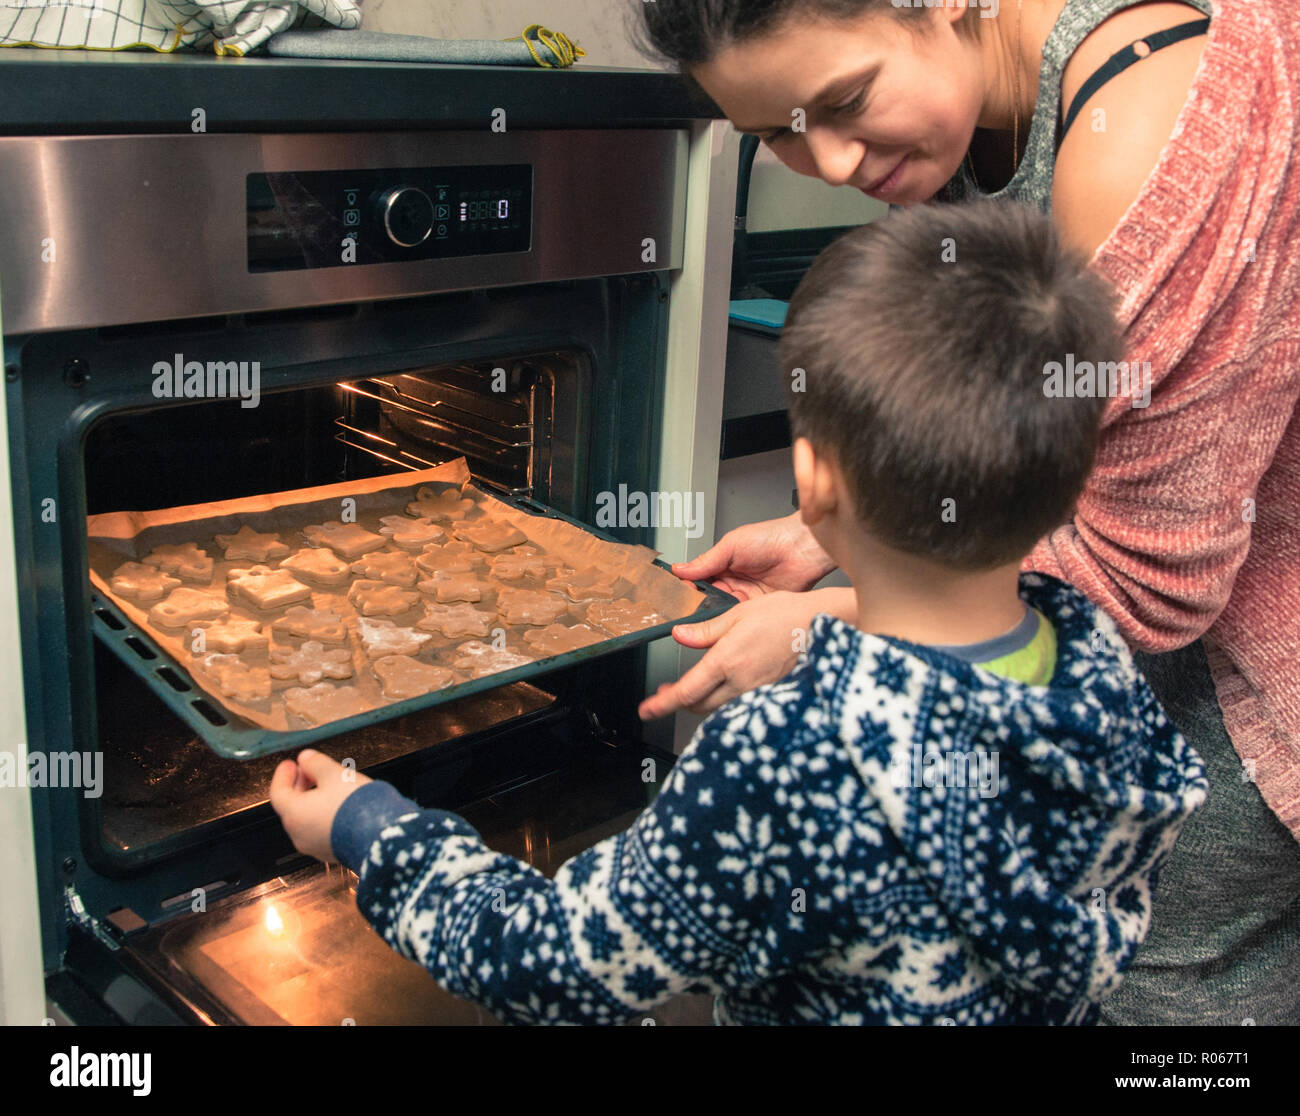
x=234, y=738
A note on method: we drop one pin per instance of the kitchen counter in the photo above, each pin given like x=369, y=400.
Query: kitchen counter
x=76, y=91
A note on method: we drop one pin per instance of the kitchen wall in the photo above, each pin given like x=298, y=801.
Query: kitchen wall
x=779, y=199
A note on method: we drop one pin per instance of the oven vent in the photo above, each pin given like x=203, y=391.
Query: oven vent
x=497, y=415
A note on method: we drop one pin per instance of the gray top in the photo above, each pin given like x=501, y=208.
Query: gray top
x=1032, y=182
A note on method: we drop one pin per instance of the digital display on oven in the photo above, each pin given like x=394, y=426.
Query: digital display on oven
x=298, y=221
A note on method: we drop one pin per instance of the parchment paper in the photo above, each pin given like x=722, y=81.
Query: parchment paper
x=118, y=537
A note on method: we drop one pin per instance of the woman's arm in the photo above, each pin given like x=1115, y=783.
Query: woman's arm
x=1116, y=141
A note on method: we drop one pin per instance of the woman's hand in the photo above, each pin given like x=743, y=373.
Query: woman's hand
x=756, y=642
x=308, y=794
x=767, y=557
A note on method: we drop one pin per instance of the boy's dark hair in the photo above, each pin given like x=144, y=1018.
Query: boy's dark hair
x=925, y=379
x=689, y=32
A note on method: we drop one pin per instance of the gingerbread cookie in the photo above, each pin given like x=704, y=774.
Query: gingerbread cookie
x=411, y=534
x=309, y=664
x=233, y=635
x=374, y=598
x=325, y=702
x=382, y=637
x=141, y=583
x=556, y=639
x=236, y=679
x=265, y=588
x=388, y=567
x=489, y=534
x=521, y=562
x=185, y=606
x=248, y=545
x=184, y=560
x=439, y=505
x=448, y=587
x=318, y=565
x=454, y=620
x=311, y=623
x=583, y=585
x=347, y=540
x=530, y=606
x=621, y=617
x=482, y=659
x=453, y=557
x=404, y=678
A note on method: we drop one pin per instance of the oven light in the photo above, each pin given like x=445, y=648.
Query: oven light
x=274, y=923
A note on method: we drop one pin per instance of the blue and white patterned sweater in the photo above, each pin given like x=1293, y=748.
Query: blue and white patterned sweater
x=811, y=860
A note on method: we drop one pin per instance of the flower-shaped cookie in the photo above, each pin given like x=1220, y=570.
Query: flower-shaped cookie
x=383, y=637
x=308, y=664
x=519, y=563
x=311, y=623
x=318, y=565
x=411, y=534
x=556, y=639
x=184, y=560
x=449, y=587
x=142, y=584
x=231, y=636
x=530, y=606
x=584, y=584
x=454, y=620
x=325, y=702
x=482, y=659
x=403, y=677
x=452, y=557
x=236, y=679
x=621, y=617
x=387, y=566
x=248, y=545
x=374, y=598
x=440, y=505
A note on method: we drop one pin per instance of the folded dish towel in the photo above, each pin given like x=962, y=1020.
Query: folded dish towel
x=536, y=46
x=222, y=26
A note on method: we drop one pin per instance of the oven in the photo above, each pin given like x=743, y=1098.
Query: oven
x=407, y=298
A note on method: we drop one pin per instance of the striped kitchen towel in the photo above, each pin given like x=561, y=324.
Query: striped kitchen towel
x=222, y=26
x=537, y=46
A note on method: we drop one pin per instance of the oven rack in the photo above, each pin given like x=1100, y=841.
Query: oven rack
x=487, y=434
x=235, y=738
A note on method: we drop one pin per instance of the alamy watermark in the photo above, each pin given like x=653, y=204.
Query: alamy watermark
x=1106, y=379
x=935, y=767
x=54, y=769
x=217, y=379
x=988, y=8
x=626, y=508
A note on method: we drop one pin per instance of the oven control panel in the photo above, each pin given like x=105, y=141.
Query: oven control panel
x=300, y=221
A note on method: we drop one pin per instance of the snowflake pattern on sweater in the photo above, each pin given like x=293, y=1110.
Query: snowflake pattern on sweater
x=810, y=858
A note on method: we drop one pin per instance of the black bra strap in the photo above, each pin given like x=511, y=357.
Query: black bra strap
x=1121, y=60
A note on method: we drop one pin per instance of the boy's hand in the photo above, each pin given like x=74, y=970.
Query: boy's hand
x=308, y=794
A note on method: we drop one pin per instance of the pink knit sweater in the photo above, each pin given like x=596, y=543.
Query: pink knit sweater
x=1190, y=525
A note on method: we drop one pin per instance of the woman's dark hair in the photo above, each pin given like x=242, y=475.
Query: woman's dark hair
x=920, y=349
x=690, y=32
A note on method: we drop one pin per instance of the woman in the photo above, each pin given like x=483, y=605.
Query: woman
x=1170, y=164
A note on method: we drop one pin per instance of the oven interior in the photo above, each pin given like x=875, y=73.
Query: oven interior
x=165, y=875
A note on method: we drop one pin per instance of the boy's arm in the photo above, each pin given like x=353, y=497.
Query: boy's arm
x=695, y=896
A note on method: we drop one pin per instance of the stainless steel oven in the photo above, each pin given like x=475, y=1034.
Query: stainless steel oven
x=407, y=297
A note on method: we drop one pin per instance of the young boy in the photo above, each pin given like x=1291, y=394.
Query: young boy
x=954, y=807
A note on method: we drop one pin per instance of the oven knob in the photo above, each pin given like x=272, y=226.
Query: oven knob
x=407, y=215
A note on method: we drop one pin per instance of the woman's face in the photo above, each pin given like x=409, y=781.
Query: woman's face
x=886, y=109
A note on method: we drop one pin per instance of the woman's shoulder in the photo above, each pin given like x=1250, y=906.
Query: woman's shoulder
x=1117, y=139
